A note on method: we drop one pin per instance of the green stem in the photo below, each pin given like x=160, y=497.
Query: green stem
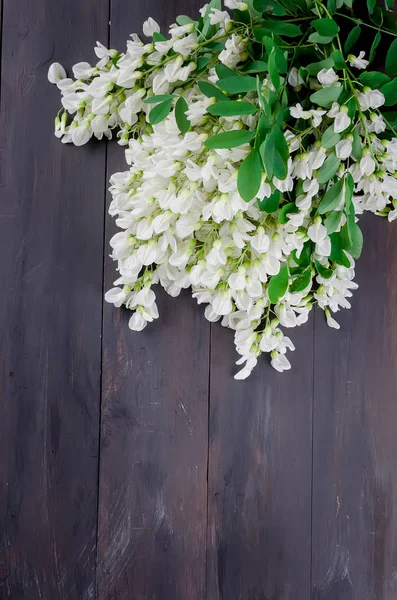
x=359, y=22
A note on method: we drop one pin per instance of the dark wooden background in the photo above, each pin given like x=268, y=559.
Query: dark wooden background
x=133, y=466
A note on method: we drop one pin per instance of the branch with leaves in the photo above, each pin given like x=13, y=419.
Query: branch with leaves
x=255, y=137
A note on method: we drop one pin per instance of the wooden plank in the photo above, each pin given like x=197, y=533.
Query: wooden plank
x=259, y=488
x=355, y=441
x=153, y=492
x=51, y=239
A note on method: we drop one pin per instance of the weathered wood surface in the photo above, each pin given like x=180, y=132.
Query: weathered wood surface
x=51, y=240
x=136, y=467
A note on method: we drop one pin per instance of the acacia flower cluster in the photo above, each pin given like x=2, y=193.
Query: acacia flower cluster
x=254, y=138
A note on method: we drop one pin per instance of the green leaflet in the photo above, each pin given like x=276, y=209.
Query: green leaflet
x=275, y=153
x=391, y=59
x=256, y=66
x=270, y=205
x=333, y=220
x=211, y=91
x=332, y=197
x=326, y=27
x=278, y=285
x=323, y=271
x=160, y=111
x=157, y=99
x=231, y=109
x=330, y=138
x=223, y=71
x=285, y=211
x=374, y=79
x=273, y=71
x=181, y=119
x=390, y=92
x=315, y=68
x=229, y=139
x=337, y=253
x=352, y=38
x=374, y=46
x=238, y=84
x=250, y=176
x=281, y=28
x=352, y=239
x=327, y=96
x=329, y=168
x=302, y=281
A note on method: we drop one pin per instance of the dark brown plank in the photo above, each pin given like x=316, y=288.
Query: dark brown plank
x=51, y=239
x=259, y=492
x=355, y=441
x=152, y=518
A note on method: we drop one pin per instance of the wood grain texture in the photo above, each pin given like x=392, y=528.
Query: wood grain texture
x=355, y=442
x=259, y=483
x=153, y=493
x=51, y=239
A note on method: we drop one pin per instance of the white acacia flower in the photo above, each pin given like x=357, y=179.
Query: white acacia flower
x=137, y=322
x=370, y=99
x=327, y=77
x=358, y=62
x=56, y=73
x=344, y=148
x=150, y=27
x=280, y=362
x=294, y=78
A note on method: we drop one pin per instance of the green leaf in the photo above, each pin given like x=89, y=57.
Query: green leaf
x=315, y=68
x=160, y=111
x=371, y=5
x=211, y=91
x=223, y=71
x=184, y=20
x=374, y=46
x=157, y=99
x=231, y=109
x=202, y=62
x=281, y=60
x=278, y=285
x=316, y=38
x=332, y=197
x=285, y=211
x=337, y=254
x=389, y=90
x=352, y=240
x=270, y=205
x=273, y=71
x=275, y=154
x=329, y=168
x=256, y=66
x=229, y=139
x=333, y=220
x=391, y=59
x=326, y=27
x=158, y=37
x=330, y=138
x=331, y=6
x=250, y=176
x=327, y=96
x=357, y=150
x=181, y=119
x=301, y=282
x=323, y=271
x=374, y=79
x=352, y=38
x=338, y=59
x=281, y=28
x=237, y=84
